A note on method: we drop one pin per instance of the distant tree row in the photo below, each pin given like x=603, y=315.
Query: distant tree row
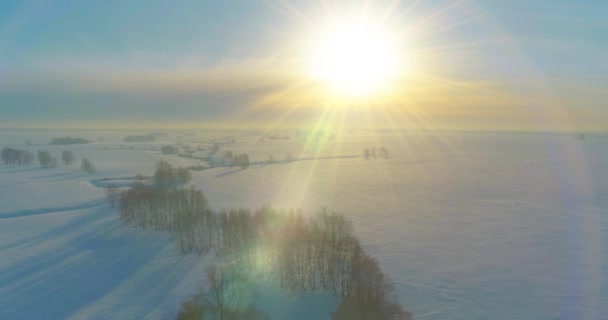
x=319, y=253
x=169, y=150
x=69, y=140
x=140, y=138
x=227, y=158
x=242, y=160
x=24, y=157
x=16, y=156
x=288, y=158
x=380, y=152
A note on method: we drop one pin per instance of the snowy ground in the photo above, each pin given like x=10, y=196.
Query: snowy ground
x=469, y=226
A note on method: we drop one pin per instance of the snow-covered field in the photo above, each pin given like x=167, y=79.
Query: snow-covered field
x=468, y=226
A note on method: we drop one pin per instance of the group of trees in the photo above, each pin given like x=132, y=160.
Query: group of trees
x=319, y=253
x=241, y=160
x=186, y=213
x=47, y=160
x=167, y=176
x=170, y=210
x=374, y=152
x=316, y=254
x=322, y=253
x=16, y=156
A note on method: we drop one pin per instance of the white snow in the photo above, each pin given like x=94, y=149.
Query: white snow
x=469, y=226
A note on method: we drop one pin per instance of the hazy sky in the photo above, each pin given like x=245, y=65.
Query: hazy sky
x=531, y=65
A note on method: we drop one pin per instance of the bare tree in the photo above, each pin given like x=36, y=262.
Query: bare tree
x=226, y=292
x=112, y=194
x=193, y=309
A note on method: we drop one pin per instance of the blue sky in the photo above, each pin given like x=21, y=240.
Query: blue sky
x=532, y=65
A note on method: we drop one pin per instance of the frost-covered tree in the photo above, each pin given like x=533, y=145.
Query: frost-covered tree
x=44, y=157
x=67, y=157
x=87, y=166
x=46, y=160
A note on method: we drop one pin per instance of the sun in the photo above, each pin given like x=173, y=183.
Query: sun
x=355, y=58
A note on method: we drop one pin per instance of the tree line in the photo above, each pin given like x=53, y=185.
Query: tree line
x=69, y=140
x=11, y=156
x=234, y=160
x=306, y=254
x=140, y=138
x=169, y=150
x=374, y=152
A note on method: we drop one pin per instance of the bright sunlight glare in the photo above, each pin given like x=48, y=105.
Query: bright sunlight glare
x=355, y=58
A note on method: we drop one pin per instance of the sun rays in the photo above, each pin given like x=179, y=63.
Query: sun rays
x=355, y=58
x=376, y=55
